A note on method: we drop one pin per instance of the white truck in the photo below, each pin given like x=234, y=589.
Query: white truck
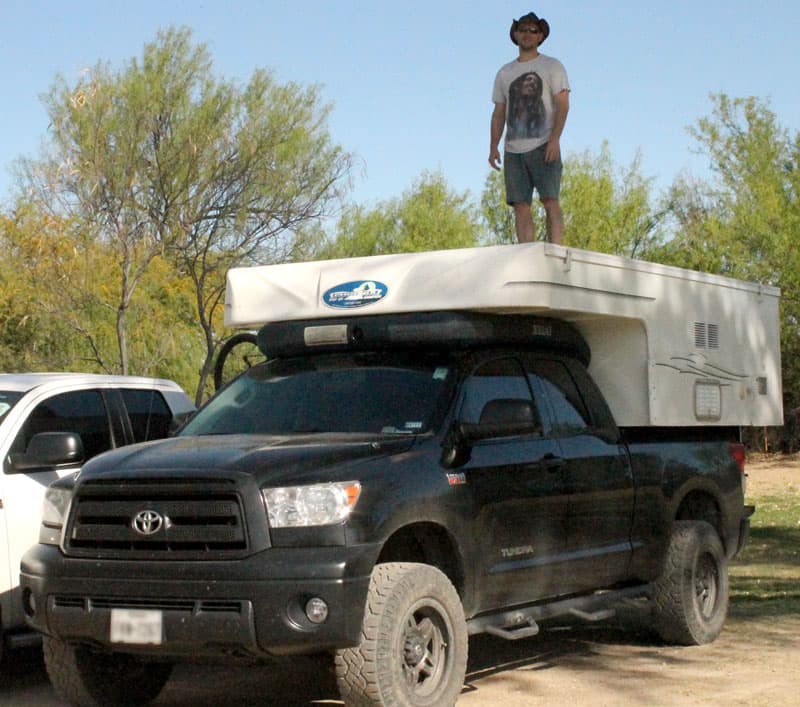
x=50, y=423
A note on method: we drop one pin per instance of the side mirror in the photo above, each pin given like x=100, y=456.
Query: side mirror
x=48, y=450
x=503, y=417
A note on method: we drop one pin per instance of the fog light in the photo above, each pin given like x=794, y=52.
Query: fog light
x=316, y=610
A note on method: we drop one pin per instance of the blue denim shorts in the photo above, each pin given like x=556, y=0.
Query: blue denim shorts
x=526, y=171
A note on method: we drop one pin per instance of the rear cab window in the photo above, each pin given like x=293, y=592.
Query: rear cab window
x=576, y=405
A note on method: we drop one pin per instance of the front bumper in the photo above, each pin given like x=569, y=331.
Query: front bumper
x=253, y=607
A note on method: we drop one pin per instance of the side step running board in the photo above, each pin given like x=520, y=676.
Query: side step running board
x=593, y=615
x=520, y=626
x=522, y=622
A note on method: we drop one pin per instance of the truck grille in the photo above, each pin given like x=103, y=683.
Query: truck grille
x=175, y=521
x=188, y=606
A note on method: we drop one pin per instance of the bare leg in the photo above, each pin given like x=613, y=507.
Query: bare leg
x=555, y=220
x=523, y=221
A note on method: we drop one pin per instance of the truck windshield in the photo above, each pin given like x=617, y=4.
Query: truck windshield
x=373, y=393
x=8, y=399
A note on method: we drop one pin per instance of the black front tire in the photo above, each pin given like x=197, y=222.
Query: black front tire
x=413, y=650
x=692, y=594
x=84, y=677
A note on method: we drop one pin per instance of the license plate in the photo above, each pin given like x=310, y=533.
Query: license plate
x=142, y=626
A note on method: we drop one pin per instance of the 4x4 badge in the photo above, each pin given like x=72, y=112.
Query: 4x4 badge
x=147, y=522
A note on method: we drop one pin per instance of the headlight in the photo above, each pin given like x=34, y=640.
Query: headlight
x=305, y=506
x=54, y=511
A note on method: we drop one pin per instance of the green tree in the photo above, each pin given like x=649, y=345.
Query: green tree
x=54, y=288
x=32, y=337
x=498, y=215
x=429, y=216
x=608, y=208
x=164, y=160
x=744, y=223
x=747, y=217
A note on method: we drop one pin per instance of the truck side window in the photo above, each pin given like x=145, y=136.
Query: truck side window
x=501, y=378
x=148, y=412
x=8, y=399
x=80, y=411
x=570, y=414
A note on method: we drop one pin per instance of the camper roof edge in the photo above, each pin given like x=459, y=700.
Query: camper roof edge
x=525, y=277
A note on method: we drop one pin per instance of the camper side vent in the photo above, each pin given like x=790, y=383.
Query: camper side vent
x=706, y=336
x=713, y=336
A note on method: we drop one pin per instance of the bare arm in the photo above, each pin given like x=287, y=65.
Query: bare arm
x=553, y=150
x=497, y=125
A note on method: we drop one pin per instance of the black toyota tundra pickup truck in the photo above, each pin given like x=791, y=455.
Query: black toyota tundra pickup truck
x=381, y=488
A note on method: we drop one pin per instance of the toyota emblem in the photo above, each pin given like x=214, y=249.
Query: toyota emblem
x=147, y=522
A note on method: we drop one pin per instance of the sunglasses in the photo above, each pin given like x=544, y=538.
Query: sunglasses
x=529, y=30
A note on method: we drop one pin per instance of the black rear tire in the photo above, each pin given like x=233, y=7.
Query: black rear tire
x=413, y=650
x=691, y=596
x=84, y=677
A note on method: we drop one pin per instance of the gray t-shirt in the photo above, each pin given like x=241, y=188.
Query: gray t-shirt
x=527, y=89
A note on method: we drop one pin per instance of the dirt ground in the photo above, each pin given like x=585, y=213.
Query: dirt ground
x=755, y=662
x=768, y=475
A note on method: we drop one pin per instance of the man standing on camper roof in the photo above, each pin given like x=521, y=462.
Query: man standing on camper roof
x=531, y=101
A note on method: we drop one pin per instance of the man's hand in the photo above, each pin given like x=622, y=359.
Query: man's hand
x=553, y=150
x=494, y=158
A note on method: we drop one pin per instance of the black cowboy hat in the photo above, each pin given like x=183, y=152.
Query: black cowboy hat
x=530, y=18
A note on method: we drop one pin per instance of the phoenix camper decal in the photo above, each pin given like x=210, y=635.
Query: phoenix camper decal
x=697, y=365
x=358, y=293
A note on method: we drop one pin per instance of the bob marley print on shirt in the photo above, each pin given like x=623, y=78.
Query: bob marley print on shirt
x=525, y=115
x=527, y=88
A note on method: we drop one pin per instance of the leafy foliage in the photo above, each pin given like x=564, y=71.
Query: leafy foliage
x=499, y=216
x=53, y=287
x=429, y=216
x=162, y=161
x=609, y=209
x=746, y=222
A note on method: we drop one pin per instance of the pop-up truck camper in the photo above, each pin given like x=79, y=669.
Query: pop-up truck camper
x=670, y=347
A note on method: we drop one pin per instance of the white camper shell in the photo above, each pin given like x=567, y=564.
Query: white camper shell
x=670, y=347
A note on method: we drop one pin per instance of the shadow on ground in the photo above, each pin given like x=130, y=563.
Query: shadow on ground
x=303, y=681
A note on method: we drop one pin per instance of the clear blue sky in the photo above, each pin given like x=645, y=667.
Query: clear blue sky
x=410, y=82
